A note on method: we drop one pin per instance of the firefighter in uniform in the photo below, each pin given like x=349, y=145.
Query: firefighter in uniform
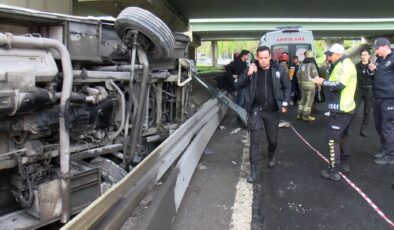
x=341, y=88
x=267, y=91
x=306, y=72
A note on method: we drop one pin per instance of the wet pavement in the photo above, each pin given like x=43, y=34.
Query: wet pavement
x=292, y=195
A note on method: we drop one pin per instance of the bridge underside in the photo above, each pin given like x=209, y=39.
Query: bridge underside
x=319, y=16
x=193, y=9
x=228, y=29
x=254, y=35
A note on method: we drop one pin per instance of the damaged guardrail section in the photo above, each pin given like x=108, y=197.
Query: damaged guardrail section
x=113, y=208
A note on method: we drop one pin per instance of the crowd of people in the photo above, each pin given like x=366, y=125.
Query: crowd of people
x=266, y=88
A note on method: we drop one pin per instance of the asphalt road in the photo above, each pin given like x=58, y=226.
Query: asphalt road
x=211, y=194
x=292, y=195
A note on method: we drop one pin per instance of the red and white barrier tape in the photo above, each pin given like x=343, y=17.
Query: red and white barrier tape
x=363, y=195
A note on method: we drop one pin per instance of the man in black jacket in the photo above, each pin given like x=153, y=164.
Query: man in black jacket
x=384, y=100
x=267, y=91
x=235, y=69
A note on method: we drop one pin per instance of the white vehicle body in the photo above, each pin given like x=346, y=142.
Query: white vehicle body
x=292, y=41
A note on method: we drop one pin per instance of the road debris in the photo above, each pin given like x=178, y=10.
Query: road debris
x=235, y=131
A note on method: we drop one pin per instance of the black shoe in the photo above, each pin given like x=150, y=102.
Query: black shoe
x=384, y=160
x=331, y=174
x=379, y=155
x=363, y=133
x=252, y=176
x=251, y=179
x=345, y=168
x=271, y=162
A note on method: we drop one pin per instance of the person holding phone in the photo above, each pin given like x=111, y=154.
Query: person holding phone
x=267, y=93
x=384, y=100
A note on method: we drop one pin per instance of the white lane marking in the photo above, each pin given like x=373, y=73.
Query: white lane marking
x=242, y=208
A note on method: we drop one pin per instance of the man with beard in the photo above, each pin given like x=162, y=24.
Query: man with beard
x=267, y=92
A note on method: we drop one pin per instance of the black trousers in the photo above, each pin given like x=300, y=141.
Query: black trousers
x=258, y=121
x=337, y=137
x=384, y=123
x=364, y=94
x=295, y=90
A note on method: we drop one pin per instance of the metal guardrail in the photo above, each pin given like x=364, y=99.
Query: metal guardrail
x=113, y=208
x=241, y=112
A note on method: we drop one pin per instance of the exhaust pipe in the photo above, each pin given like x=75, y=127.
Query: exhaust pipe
x=47, y=43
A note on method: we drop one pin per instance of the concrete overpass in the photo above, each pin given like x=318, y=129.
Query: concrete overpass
x=214, y=20
x=323, y=28
x=233, y=19
x=193, y=9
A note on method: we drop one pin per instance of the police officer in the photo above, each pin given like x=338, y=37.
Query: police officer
x=384, y=100
x=267, y=91
x=341, y=87
x=364, y=88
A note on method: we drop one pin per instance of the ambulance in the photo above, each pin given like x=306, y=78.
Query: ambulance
x=293, y=40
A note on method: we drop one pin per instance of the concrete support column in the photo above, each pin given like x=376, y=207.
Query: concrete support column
x=191, y=53
x=195, y=42
x=214, y=53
